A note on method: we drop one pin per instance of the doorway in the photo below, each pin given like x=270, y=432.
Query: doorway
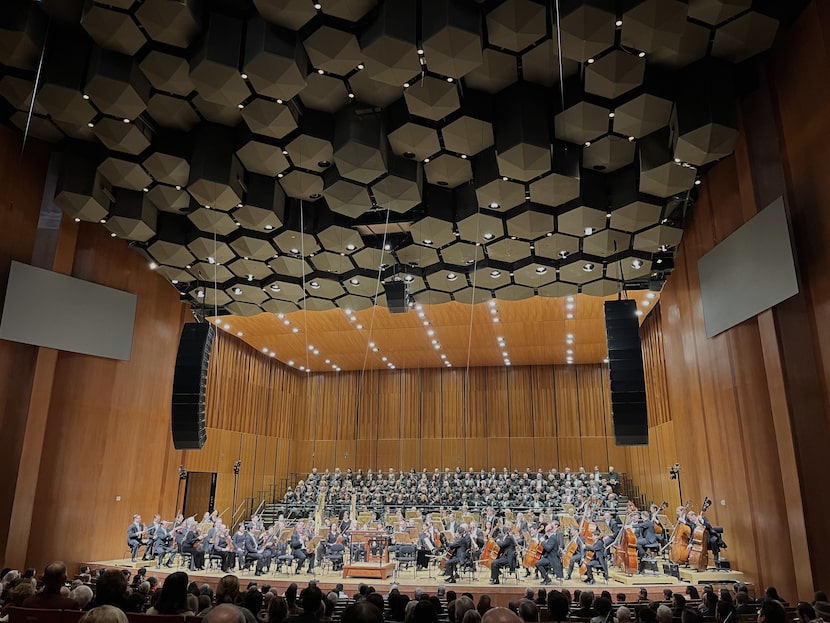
x=199, y=493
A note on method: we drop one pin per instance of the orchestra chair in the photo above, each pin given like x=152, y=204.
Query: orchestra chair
x=334, y=555
x=649, y=561
x=510, y=570
x=406, y=557
x=469, y=567
x=214, y=560
x=32, y=615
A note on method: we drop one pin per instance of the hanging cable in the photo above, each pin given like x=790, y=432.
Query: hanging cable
x=559, y=53
x=377, y=289
x=34, y=88
x=305, y=294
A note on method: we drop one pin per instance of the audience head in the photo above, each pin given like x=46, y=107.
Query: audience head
x=422, y=611
x=500, y=615
x=586, y=599
x=224, y=613
x=621, y=598
x=528, y=612
x=724, y=612
x=312, y=599
x=710, y=600
x=822, y=608
x=363, y=611
x=691, y=615
x=82, y=595
x=771, y=611
x=664, y=614
x=277, y=610
x=819, y=596
x=691, y=591
x=111, y=589
x=174, y=594
x=471, y=616
x=558, y=606
x=623, y=615
x=54, y=575
x=376, y=599
x=646, y=615
x=104, y=614
x=643, y=594
x=204, y=603
x=603, y=606
x=21, y=593
x=227, y=589
x=772, y=593
x=667, y=594
x=484, y=604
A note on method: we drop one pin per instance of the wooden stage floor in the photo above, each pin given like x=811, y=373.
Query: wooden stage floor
x=408, y=580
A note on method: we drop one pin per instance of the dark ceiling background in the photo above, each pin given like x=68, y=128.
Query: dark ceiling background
x=280, y=154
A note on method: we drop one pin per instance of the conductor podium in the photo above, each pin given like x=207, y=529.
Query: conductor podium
x=370, y=555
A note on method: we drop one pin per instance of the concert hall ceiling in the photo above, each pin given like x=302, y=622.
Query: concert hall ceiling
x=285, y=155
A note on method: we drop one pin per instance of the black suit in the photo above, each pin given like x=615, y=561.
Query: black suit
x=598, y=561
x=646, y=537
x=578, y=555
x=134, y=538
x=299, y=553
x=162, y=546
x=197, y=557
x=252, y=553
x=551, y=557
x=461, y=546
x=507, y=556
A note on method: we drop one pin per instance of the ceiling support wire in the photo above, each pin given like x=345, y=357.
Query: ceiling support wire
x=305, y=293
x=476, y=247
x=31, y=111
x=559, y=53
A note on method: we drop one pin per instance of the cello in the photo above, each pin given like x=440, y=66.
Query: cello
x=679, y=553
x=699, y=545
x=489, y=553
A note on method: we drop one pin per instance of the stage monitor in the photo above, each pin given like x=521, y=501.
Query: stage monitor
x=44, y=308
x=749, y=272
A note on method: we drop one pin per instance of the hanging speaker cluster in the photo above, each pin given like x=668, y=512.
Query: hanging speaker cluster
x=628, y=386
x=189, y=385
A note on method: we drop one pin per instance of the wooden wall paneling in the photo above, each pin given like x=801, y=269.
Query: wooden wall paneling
x=432, y=421
x=477, y=399
x=453, y=452
x=594, y=452
x=329, y=406
x=410, y=454
x=389, y=407
x=522, y=453
x=567, y=402
x=546, y=452
x=496, y=452
x=520, y=402
x=591, y=404
x=543, y=407
x=570, y=453
x=453, y=407
x=498, y=403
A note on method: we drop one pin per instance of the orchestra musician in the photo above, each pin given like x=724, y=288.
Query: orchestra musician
x=253, y=551
x=162, y=544
x=136, y=537
x=190, y=545
x=716, y=542
x=646, y=535
x=223, y=545
x=551, y=552
x=151, y=530
x=459, y=549
x=298, y=549
x=655, y=518
x=507, y=553
x=426, y=546
x=579, y=553
x=239, y=538
x=599, y=561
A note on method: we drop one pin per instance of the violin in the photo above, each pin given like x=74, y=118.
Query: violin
x=698, y=547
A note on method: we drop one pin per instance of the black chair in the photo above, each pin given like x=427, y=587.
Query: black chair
x=406, y=558
x=334, y=554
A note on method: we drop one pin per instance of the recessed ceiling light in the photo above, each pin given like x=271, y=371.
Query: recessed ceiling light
x=496, y=319
x=587, y=143
x=426, y=323
x=237, y=291
x=302, y=368
x=504, y=354
x=569, y=336
x=563, y=254
x=387, y=247
x=641, y=54
x=290, y=362
x=697, y=182
x=354, y=281
x=618, y=23
x=650, y=295
x=409, y=279
x=639, y=312
x=541, y=270
x=437, y=347
x=314, y=285
x=588, y=267
x=316, y=352
x=239, y=334
x=590, y=61
x=311, y=347
x=361, y=66
x=272, y=354
x=645, y=303
x=434, y=342
x=443, y=356
x=405, y=85
x=113, y=235
x=589, y=231
x=265, y=350
x=569, y=316
x=353, y=318
x=359, y=327
x=430, y=332
x=383, y=359
x=126, y=120
x=637, y=263
x=294, y=330
x=427, y=241
x=286, y=322
x=569, y=306
x=449, y=79
x=606, y=360
x=90, y=124
x=570, y=351
x=350, y=247
x=611, y=115
x=452, y=276
x=488, y=236
x=494, y=311
x=495, y=273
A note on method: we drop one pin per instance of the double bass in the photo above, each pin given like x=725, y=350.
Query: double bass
x=625, y=557
x=679, y=553
x=699, y=545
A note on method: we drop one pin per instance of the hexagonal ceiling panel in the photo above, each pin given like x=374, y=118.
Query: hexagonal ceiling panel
x=362, y=109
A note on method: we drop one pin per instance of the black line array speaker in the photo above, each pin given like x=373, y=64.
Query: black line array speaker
x=396, y=297
x=628, y=385
x=189, y=383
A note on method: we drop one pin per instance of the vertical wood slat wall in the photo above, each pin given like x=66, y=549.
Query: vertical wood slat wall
x=281, y=422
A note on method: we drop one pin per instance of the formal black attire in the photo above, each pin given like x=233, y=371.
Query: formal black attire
x=238, y=541
x=646, y=537
x=134, y=538
x=507, y=557
x=162, y=545
x=598, y=562
x=299, y=553
x=221, y=547
x=576, y=558
x=551, y=557
x=252, y=553
x=197, y=556
x=460, y=547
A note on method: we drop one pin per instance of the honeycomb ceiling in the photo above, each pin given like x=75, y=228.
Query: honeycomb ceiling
x=285, y=155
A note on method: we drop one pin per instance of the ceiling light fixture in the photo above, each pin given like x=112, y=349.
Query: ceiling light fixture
x=636, y=263
x=495, y=273
x=588, y=267
x=452, y=276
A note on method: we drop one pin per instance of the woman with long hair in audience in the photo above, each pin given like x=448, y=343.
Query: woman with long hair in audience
x=173, y=598
x=104, y=614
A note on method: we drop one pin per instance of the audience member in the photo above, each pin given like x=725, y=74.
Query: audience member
x=173, y=598
x=725, y=612
x=772, y=611
x=54, y=578
x=620, y=598
x=484, y=604
x=472, y=616
x=500, y=615
x=709, y=604
x=586, y=609
x=623, y=615
x=424, y=612
x=111, y=590
x=558, y=606
x=224, y=613
x=604, y=609
x=664, y=614
x=82, y=594
x=528, y=612
x=104, y=614
x=362, y=611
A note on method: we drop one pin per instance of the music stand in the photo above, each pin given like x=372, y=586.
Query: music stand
x=567, y=522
